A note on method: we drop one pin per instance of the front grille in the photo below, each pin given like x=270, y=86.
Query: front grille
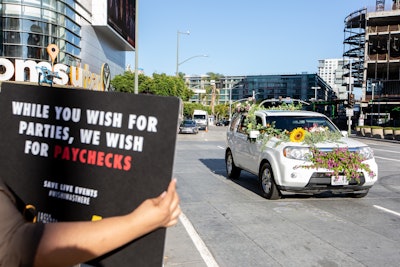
x=330, y=149
x=320, y=179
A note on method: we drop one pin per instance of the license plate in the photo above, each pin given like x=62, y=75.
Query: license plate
x=339, y=180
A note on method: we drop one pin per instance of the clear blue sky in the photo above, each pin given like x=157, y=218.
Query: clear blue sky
x=242, y=37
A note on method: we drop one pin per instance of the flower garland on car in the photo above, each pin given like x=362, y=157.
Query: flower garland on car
x=246, y=106
x=340, y=161
x=309, y=136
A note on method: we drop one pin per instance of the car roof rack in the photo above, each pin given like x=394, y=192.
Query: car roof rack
x=273, y=102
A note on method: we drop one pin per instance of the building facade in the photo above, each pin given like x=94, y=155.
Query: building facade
x=306, y=87
x=372, y=53
x=331, y=71
x=84, y=32
x=372, y=41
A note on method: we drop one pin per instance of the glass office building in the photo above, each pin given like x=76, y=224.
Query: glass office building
x=29, y=26
x=306, y=87
x=82, y=31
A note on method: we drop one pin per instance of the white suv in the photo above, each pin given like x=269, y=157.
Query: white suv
x=281, y=165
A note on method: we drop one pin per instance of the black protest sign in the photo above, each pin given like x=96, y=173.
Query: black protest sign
x=80, y=155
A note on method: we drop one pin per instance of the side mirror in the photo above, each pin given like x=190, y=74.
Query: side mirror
x=254, y=134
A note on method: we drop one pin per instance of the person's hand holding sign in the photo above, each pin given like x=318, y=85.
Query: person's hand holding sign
x=70, y=243
x=162, y=211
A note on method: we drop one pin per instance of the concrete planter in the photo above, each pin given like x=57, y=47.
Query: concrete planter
x=366, y=131
x=388, y=133
x=377, y=133
x=358, y=130
x=396, y=134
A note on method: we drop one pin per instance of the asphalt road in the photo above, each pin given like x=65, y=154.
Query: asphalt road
x=227, y=223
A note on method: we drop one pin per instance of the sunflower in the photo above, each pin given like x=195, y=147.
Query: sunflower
x=297, y=135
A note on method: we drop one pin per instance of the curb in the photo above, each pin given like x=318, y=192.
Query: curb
x=374, y=139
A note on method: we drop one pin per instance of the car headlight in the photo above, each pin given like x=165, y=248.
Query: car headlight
x=299, y=153
x=366, y=152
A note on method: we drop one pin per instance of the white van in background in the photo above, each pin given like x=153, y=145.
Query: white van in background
x=201, y=118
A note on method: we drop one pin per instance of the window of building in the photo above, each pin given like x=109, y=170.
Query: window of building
x=53, y=30
x=72, y=38
x=49, y=4
x=12, y=37
x=32, y=2
x=29, y=11
x=70, y=13
x=70, y=2
x=72, y=26
x=11, y=24
x=49, y=16
x=13, y=50
x=71, y=49
x=12, y=10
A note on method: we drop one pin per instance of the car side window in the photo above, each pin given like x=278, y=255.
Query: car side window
x=259, y=120
x=242, y=126
x=235, y=122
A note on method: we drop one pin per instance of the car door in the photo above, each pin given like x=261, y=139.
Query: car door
x=247, y=148
x=253, y=151
x=237, y=140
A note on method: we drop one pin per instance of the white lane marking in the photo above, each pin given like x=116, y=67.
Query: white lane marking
x=221, y=147
x=198, y=242
x=398, y=160
x=387, y=210
x=391, y=151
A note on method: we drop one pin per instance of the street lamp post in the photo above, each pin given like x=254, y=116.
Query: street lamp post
x=230, y=104
x=372, y=103
x=136, y=84
x=180, y=63
x=350, y=111
x=177, y=50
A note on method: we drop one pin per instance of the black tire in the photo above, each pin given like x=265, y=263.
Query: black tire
x=359, y=195
x=232, y=171
x=269, y=190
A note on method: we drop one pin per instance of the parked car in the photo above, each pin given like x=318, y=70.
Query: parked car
x=222, y=122
x=288, y=165
x=189, y=127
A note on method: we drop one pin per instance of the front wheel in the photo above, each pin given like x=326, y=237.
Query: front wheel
x=268, y=186
x=232, y=171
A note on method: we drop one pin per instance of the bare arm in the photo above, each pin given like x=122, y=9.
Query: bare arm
x=70, y=243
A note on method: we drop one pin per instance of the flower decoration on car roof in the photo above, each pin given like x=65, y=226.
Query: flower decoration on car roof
x=245, y=106
x=310, y=136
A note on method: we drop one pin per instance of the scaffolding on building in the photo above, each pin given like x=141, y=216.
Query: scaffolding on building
x=354, y=48
x=372, y=56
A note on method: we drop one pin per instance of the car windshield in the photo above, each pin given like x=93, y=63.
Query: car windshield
x=291, y=122
x=199, y=117
x=188, y=123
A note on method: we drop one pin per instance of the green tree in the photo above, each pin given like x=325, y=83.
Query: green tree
x=126, y=82
x=214, y=92
x=189, y=107
x=215, y=76
x=221, y=111
x=158, y=84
